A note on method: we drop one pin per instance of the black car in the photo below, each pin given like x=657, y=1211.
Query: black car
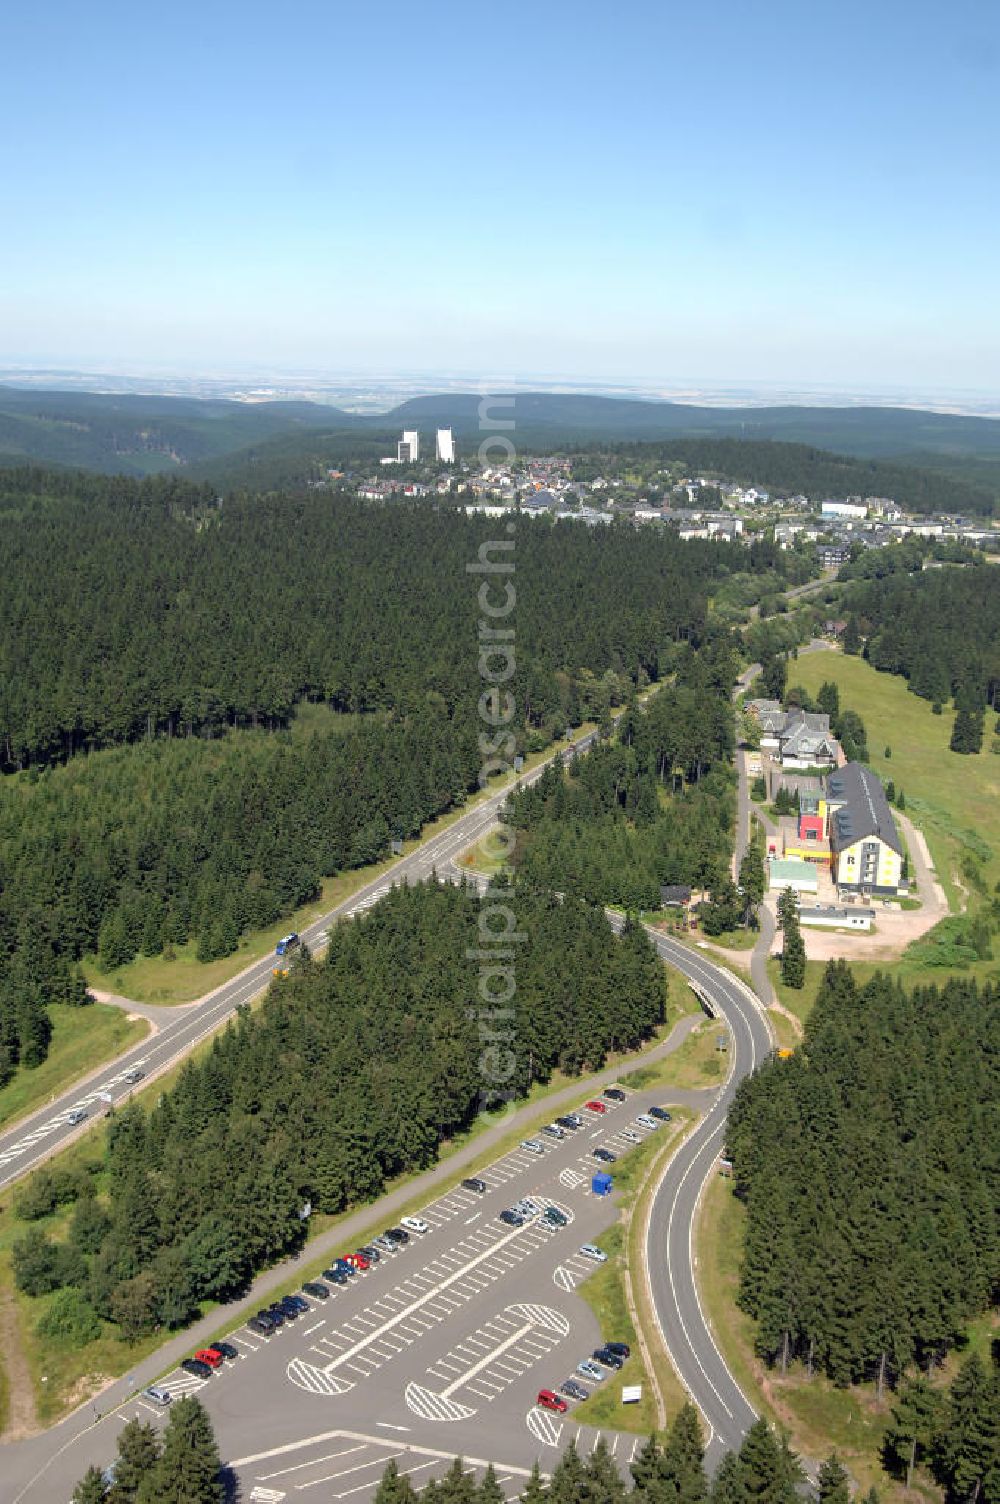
x=287, y=1306
x=613, y=1094
x=512, y=1219
x=605, y=1156
x=554, y=1217
x=607, y=1358
x=620, y=1349
x=196, y=1367
x=316, y=1289
x=472, y=1184
x=574, y=1390
x=336, y=1276
x=261, y=1324
x=298, y=1302
x=569, y=1123
x=228, y=1351
x=660, y=1113
x=276, y=1314
x=371, y=1253
x=397, y=1234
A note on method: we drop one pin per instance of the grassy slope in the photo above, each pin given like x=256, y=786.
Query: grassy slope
x=954, y=800
x=82, y=1039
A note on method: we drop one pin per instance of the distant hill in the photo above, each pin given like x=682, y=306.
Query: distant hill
x=140, y=435
x=270, y=442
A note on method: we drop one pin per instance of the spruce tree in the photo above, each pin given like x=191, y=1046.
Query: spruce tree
x=682, y=1464
x=913, y=1426
x=393, y=1487
x=604, y=1483
x=188, y=1469
x=535, y=1491
x=834, y=1487
x=90, y=1489
x=138, y=1453
x=489, y=1490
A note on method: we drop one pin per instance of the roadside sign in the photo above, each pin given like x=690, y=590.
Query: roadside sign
x=631, y=1394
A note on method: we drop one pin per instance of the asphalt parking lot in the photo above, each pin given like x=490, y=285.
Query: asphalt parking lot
x=438, y=1349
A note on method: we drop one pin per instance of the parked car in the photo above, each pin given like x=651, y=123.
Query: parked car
x=604, y=1155
x=613, y=1094
x=344, y=1267
x=275, y=1313
x=574, y=1389
x=550, y=1401
x=76, y=1116
x=473, y=1184
x=660, y=1113
x=555, y=1217
x=209, y=1356
x=289, y=1307
x=316, y=1289
x=157, y=1394
x=605, y=1356
x=386, y=1244
x=227, y=1350
x=596, y=1106
x=370, y=1252
x=197, y=1368
x=334, y=1275
x=590, y=1369
x=630, y=1136
x=297, y=1302
x=591, y=1251
x=414, y=1224
x=357, y=1261
x=261, y=1324
x=532, y=1145
x=570, y=1120
x=645, y=1121
x=528, y=1206
x=511, y=1217
x=397, y=1235
x=620, y=1349
x=552, y=1130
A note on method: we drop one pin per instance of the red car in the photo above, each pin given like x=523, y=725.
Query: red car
x=550, y=1401
x=358, y=1261
x=210, y=1356
x=596, y=1106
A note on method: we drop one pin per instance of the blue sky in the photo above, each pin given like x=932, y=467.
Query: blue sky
x=720, y=190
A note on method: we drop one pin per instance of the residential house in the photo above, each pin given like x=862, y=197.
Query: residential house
x=805, y=741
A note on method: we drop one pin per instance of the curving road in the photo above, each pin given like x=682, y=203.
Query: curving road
x=670, y=1238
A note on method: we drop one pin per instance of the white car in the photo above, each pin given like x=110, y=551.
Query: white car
x=591, y=1251
x=414, y=1224
x=645, y=1121
x=532, y=1145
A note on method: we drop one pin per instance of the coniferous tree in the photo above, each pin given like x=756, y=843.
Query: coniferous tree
x=834, y=1485
x=138, y=1453
x=90, y=1489
x=187, y=1471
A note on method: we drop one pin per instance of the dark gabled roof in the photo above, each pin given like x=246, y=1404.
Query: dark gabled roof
x=674, y=893
x=864, y=808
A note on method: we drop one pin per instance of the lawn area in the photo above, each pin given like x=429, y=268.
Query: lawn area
x=953, y=799
x=697, y=1063
x=82, y=1039
x=817, y=1416
x=488, y=856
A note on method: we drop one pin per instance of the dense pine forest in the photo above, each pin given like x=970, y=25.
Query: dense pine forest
x=940, y=629
x=179, y=634
x=138, y=608
x=352, y=1071
x=656, y=806
x=870, y=1167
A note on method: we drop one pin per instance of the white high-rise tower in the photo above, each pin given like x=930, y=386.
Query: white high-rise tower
x=408, y=448
x=445, y=446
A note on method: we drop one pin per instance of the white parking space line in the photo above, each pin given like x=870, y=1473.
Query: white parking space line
x=313, y=1462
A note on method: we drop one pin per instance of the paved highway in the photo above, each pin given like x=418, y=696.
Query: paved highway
x=35, y=1138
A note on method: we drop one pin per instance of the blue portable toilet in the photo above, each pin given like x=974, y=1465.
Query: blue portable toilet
x=601, y=1184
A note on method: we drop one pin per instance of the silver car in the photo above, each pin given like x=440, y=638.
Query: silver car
x=532, y=1145
x=591, y=1369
